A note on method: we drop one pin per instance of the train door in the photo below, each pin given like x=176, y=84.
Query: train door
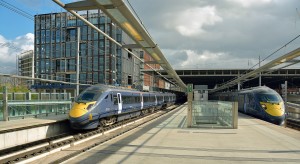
x=246, y=104
x=119, y=103
x=241, y=99
x=142, y=101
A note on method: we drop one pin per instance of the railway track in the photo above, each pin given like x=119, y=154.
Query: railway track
x=293, y=120
x=39, y=149
x=293, y=123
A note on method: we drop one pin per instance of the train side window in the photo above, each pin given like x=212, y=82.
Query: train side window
x=251, y=101
x=124, y=99
x=136, y=99
x=247, y=99
x=115, y=100
x=132, y=100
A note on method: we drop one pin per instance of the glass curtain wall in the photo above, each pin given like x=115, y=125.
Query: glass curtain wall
x=56, y=48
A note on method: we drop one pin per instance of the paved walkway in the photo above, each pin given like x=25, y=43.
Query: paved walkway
x=167, y=141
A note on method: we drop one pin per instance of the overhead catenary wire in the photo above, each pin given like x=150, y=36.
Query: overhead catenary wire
x=16, y=9
x=250, y=69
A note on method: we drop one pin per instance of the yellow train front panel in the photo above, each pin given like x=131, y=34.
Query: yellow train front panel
x=273, y=109
x=79, y=109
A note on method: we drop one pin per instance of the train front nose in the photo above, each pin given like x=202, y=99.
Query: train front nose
x=275, y=112
x=80, y=116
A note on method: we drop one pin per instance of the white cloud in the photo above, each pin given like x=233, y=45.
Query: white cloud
x=196, y=60
x=25, y=42
x=189, y=59
x=250, y=3
x=9, y=49
x=190, y=22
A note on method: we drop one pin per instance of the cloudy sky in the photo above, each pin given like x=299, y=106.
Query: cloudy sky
x=220, y=33
x=192, y=34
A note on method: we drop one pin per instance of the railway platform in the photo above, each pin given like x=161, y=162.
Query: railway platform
x=22, y=131
x=169, y=141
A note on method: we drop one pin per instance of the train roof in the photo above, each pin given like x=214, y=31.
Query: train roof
x=261, y=89
x=113, y=88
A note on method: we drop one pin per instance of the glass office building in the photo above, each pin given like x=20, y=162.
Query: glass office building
x=100, y=60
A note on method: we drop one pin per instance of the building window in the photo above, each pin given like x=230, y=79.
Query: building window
x=68, y=49
x=37, y=37
x=58, y=20
x=129, y=80
x=71, y=34
x=95, y=64
x=58, y=36
x=71, y=65
x=43, y=35
x=142, y=54
x=129, y=54
x=48, y=36
x=102, y=20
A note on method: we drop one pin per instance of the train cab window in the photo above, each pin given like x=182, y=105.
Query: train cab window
x=88, y=97
x=106, y=97
x=268, y=98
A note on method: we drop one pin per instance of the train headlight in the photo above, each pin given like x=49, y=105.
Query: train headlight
x=282, y=107
x=264, y=106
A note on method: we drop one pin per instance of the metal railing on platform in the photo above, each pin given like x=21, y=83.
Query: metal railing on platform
x=293, y=110
x=24, y=105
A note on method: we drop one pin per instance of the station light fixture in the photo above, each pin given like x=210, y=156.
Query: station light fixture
x=155, y=56
x=132, y=31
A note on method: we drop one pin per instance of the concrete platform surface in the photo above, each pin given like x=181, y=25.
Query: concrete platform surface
x=167, y=141
x=23, y=131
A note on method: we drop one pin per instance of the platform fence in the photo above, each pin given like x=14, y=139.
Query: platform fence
x=214, y=114
x=25, y=105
